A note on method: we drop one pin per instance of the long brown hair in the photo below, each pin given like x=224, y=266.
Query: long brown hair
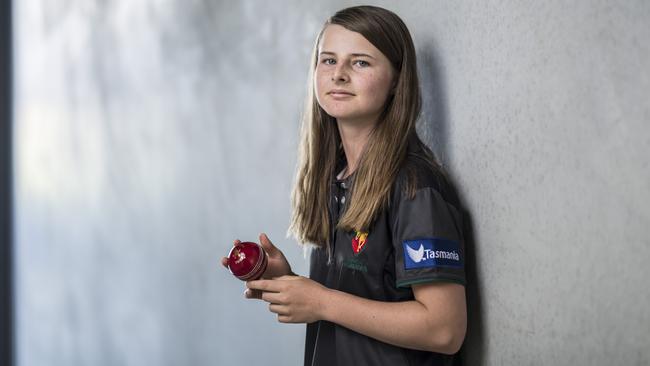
x=320, y=143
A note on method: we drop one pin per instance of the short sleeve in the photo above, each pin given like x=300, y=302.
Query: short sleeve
x=427, y=239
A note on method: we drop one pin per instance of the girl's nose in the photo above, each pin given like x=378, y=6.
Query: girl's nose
x=340, y=75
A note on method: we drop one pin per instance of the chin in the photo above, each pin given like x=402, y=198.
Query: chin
x=341, y=113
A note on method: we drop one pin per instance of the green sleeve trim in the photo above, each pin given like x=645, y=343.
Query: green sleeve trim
x=408, y=283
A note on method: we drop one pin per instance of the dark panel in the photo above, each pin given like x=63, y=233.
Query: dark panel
x=6, y=267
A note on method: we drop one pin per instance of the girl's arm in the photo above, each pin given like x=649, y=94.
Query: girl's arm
x=435, y=321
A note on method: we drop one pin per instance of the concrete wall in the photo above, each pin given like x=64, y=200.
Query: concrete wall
x=150, y=134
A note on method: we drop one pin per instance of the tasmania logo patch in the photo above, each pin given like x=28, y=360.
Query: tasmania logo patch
x=359, y=241
x=433, y=252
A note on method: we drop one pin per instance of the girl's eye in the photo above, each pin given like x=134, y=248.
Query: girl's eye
x=329, y=61
x=362, y=63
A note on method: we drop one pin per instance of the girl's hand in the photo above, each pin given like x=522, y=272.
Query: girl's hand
x=295, y=299
x=277, y=263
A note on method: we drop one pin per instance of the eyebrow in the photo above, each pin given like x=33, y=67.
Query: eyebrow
x=353, y=54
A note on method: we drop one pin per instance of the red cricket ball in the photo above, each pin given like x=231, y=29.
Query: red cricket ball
x=247, y=261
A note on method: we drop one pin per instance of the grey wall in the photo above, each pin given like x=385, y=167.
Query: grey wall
x=149, y=135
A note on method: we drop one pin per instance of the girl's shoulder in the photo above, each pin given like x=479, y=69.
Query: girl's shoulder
x=420, y=172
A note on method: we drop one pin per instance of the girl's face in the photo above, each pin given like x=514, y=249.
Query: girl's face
x=353, y=78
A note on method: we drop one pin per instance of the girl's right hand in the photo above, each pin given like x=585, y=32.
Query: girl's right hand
x=277, y=263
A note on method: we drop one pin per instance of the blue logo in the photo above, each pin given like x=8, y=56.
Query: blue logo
x=434, y=252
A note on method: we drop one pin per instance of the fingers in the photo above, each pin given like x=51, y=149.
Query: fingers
x=289, y=278
x=269, y=285
x=224, y=260
x=262, y=285
x=284, y=319
x=253, y=294
x=279, y=309
x=273, y=297
x=267, y=244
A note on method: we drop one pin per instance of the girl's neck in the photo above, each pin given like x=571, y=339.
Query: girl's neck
x=354, y=137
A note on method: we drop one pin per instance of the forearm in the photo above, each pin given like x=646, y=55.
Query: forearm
x=407, y=324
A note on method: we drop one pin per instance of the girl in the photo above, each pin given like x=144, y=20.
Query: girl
x=386, y=282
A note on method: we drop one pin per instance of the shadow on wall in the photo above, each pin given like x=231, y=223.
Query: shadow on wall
x=435, y=128
x=6, y=188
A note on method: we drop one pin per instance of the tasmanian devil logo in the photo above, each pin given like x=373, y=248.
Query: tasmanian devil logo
x=359, y=241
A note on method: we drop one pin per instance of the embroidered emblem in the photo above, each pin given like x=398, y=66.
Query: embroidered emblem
x=432, y=252
x=355, y=264
x=359, y=241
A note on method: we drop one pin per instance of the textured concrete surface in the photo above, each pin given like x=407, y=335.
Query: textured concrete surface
x=150, y=134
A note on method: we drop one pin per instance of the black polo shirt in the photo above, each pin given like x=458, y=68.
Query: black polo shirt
x=412, y=241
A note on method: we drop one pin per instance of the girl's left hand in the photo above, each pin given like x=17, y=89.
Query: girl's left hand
x=295, y=299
